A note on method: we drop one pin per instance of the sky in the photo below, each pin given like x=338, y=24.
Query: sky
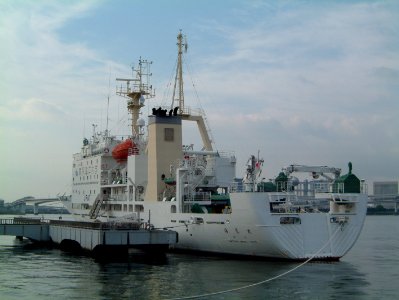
x=302, y=82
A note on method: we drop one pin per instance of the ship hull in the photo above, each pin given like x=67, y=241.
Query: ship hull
x=250, y=229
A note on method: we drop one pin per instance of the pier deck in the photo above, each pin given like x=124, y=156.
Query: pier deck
x=89, y=235
x=33, y=229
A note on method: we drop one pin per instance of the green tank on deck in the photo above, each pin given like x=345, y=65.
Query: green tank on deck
x=267, y=187
x=348, y=183
x=281, y=182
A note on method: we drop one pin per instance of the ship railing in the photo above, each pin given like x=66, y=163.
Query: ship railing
x=23, y=221
x=227, y=154
x=197, y=197
x=236, y=186
x=283, y=204
x=135, y=225
x=114, y=180
x=117, y=198
x=301, y=189
x=186, y=110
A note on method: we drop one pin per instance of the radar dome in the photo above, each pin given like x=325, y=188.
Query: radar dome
x=142, y=100
x=294, y=180
x=140, y=122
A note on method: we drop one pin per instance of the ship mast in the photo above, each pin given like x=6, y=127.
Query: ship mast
x=179, y=74
x=136, y=90
x=186, y=114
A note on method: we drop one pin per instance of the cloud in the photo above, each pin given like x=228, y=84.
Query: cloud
x=41, y=65
x=32, y=110
x=304, y=82
x=320, y=80
x=46, y=86
x=323, y=59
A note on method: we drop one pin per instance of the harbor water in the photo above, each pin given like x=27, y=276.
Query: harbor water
x=369, y=271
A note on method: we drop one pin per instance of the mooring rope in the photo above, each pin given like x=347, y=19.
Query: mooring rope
x=263, y=281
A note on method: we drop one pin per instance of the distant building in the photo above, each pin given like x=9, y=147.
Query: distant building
x=385, y=188
x=385, y=194
x=2, y=209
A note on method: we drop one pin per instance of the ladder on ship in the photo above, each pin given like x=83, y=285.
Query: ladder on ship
x=95, y=209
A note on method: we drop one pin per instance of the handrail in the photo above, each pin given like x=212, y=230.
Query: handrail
x=23, y=221
x=309, y=188
x=89, y=225
x=97, y=225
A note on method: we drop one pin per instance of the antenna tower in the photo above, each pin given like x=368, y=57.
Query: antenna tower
x=179, y=101
x=136, y=90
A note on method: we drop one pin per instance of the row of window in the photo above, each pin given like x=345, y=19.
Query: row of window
x=88, y=177
x=86, y=170
x=81, y=163
x=78, y=192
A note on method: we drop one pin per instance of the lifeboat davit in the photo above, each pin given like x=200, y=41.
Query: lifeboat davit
x=123, y=150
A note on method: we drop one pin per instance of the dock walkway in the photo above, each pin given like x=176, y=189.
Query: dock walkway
x=33, y=229
x=89, y=235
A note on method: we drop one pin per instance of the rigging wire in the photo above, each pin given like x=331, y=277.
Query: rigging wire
x=166, y=93
x=120, y=123
x=187, y=64
x=109, y=95
x=266, y=280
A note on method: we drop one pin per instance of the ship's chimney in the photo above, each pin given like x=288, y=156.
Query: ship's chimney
x=164, y=149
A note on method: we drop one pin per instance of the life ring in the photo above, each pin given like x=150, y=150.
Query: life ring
x=106, y=150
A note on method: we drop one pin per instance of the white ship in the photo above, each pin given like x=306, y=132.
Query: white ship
x=152, y=177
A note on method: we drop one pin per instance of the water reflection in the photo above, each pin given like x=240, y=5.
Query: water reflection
x=139, y=276
x=189, y=275
x=369, y=271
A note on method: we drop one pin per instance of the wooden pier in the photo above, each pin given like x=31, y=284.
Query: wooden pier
x=92, y=236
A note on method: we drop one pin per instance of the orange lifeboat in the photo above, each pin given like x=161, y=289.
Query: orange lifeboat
x=123, y=150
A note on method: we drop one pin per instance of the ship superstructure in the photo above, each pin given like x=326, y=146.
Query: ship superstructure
x=100, y=175
x=152, y=176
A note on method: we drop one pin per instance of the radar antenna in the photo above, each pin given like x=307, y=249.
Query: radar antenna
x=137, y=90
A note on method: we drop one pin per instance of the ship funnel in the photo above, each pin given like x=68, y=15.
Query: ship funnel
x=164, y=149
